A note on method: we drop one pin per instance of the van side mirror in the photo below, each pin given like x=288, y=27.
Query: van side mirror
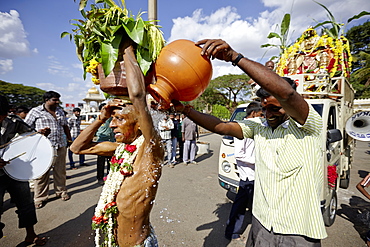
x=333, y=135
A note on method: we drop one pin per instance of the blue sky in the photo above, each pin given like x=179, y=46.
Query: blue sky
x=33, y=54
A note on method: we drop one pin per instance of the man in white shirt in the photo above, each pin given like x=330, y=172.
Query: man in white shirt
x=245, y=160
x=165, y=126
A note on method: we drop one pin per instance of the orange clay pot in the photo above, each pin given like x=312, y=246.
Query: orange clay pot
x=181, y=73
x=115, y=82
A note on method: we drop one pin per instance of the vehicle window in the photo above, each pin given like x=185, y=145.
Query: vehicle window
x=332, y=124
x=239, y=114
x=318, y=108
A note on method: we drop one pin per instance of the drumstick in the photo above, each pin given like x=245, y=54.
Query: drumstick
x=19, y=155
x=7, y=144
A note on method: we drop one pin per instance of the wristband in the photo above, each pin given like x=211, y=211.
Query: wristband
x=237, y=59
x=187, y=109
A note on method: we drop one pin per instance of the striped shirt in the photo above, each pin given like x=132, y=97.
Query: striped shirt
x=289, y=175
x=39, y=118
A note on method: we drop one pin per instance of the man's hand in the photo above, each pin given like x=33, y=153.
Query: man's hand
x=45, y=131
x=177, y=106
x=217, y=48
x=107, y=110
x=3, y=163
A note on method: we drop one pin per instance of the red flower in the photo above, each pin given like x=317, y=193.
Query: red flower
x=126, y=170
x=332, y=175
x=109, y=205
x=98, y=220
x=115, y=160
x=130, y=148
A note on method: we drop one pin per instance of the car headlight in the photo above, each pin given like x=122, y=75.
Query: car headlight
x=226, y=166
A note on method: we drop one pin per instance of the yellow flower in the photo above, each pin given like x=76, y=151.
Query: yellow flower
x=96, y=81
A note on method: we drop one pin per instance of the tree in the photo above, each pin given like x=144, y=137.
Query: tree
x=18, y=94
x=227, y=90
x=359, y=38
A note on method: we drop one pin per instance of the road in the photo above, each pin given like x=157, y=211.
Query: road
x=190, y=209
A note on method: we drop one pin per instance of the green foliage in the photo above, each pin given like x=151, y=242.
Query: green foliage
x=221, y=112
x=337, y=29
x=106, y=29
x=17, y=94
x=228, y=90
x=283, y=36
x=359, y=38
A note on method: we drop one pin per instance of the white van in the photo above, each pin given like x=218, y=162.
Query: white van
x=86, y=119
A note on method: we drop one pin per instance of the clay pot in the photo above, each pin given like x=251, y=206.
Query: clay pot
x=181, y=73
x=115, y=82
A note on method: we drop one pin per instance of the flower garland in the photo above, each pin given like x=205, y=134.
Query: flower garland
x=340, y=61
x=332, y=176
x=121, y=166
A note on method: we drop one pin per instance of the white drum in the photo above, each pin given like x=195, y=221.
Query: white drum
x=30, y=156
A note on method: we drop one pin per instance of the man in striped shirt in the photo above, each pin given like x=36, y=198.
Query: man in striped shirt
x=288, y=175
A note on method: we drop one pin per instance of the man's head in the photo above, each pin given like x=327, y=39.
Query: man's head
x=172, y=116
x=270, y=64
x=125, y=124
x=51, y=98
x=273, y=111
x=4, y=108
x=254, y=109
x=101, y=106
x=22, y=111
x=76, y=111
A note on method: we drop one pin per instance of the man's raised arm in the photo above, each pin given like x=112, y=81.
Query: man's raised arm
x=294, y=104
x=136, y=89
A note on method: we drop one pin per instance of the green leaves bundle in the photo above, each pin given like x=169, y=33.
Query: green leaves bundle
x=105, y=28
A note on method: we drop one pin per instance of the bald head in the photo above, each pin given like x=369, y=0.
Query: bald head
x=270, y=64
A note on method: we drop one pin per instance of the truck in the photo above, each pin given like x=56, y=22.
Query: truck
x=332, y=98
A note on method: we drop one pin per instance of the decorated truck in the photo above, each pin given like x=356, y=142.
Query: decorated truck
x=320, y=67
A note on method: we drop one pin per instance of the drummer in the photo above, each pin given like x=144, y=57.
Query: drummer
x=19, y=191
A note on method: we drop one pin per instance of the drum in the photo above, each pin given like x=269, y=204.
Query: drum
x=30, y=156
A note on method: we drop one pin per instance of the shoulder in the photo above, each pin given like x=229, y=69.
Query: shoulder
x=313, y=122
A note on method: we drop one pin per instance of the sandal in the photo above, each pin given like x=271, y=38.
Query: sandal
x=37, y=241
x=65, y=197
x=40, y=205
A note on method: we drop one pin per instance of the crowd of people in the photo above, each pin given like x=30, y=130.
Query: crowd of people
x=179, y=133
x=126, y=136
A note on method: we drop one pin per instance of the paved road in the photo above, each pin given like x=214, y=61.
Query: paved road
x=190, y=210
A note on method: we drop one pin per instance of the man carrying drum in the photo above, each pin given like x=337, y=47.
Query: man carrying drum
x=19, y=190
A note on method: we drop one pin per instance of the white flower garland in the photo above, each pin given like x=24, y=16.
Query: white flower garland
x=110, y=189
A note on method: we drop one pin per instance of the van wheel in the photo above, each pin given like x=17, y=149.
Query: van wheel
x=331, y=210
x=344, y=183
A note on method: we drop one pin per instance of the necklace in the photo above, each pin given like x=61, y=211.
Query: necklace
x=121, y=166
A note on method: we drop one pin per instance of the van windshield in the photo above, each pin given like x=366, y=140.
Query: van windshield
x=238, y=114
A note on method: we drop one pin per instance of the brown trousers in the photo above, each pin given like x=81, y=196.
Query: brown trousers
x=41, y=184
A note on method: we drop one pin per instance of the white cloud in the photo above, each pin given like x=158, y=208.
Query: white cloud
x=13, y=38
x=248, y=34
x=56, y=68
x=6, y=65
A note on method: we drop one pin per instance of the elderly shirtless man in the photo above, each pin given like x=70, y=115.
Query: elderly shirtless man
x=132, y=124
